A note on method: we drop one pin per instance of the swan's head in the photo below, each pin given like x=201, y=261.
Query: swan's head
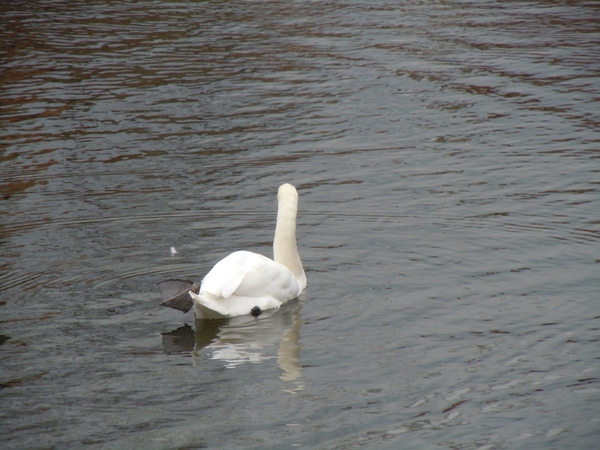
x=286, y=191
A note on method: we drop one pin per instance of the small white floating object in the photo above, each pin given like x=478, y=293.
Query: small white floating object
x=173, y=251
x=248, y=283
x=554, y=432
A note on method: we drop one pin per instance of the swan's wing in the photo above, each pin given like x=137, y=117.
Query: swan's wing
x=269, y=279
x=226, y=275
x=247, y=274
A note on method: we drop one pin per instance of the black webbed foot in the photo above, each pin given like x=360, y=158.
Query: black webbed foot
x=175, y=294
x=256, y=311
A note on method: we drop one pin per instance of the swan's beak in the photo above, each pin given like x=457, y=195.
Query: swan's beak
x=175, y=294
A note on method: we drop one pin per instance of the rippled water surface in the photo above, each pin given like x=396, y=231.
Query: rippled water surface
x=446, y=154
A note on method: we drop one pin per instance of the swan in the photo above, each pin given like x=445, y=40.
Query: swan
x=245, y=282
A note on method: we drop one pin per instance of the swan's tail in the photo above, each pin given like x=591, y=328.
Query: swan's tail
x=207, y=308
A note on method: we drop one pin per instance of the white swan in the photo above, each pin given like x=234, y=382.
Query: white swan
x=249, y=283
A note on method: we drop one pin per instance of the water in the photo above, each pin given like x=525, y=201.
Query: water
x=446, y=156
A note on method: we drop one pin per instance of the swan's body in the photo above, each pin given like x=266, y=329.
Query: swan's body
x=242, y=281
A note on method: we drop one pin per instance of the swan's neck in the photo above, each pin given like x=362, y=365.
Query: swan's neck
x=285, y=249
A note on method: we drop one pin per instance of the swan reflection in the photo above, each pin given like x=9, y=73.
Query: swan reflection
x=241, y=339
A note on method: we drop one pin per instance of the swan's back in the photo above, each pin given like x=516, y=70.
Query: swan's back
x=247, y=274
